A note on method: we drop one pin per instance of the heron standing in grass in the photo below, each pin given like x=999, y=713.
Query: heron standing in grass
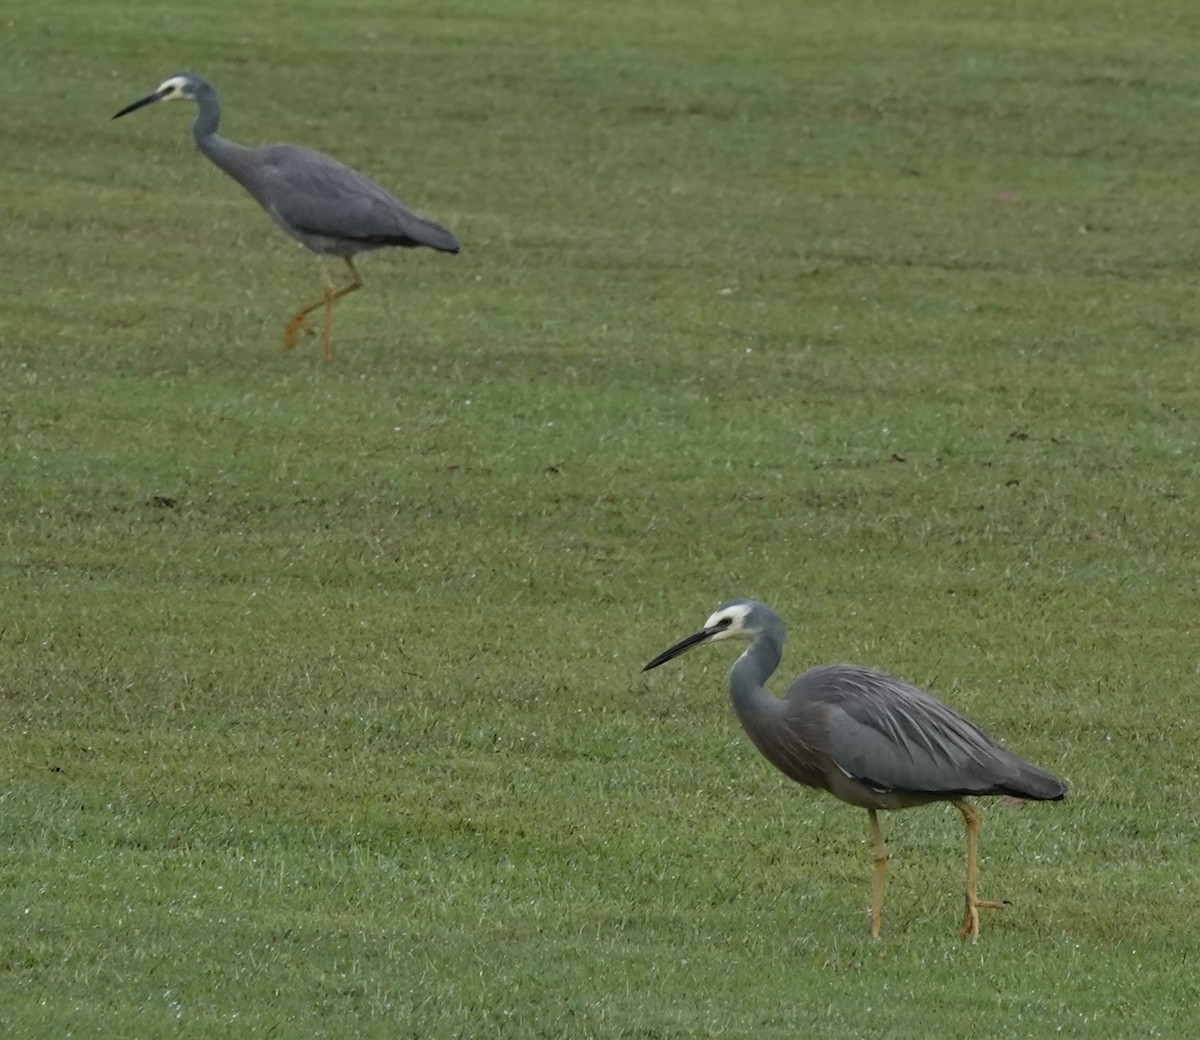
x=324, y=205
x=867, y=738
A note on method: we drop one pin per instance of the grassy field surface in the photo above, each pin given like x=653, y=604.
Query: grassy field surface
x=321, y=711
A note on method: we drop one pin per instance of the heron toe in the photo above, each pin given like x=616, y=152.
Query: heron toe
x=970, y=925
x=298, y=324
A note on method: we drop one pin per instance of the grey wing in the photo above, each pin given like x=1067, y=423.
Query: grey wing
x=896, y=737
x=312, y=195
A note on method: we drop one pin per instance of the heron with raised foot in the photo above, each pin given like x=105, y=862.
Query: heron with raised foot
x=323, y=204
x=867, y=738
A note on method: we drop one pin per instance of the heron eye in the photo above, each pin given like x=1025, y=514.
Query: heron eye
x=725, y=622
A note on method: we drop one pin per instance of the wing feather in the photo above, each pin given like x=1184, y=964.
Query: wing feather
x=312, y=194
x=896, y=737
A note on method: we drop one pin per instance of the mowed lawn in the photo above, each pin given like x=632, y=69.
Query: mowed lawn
x=321, y=711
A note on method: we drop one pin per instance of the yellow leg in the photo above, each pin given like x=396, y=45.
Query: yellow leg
x=299, y=320
x=299, y=323
x=879, y=852
x=970, y=926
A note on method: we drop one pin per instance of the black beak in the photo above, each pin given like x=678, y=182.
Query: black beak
x=149, y=99
x=695, y=639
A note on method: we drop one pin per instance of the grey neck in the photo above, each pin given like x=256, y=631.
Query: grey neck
x=235, y=159
x=747, y=680
x=208, y=118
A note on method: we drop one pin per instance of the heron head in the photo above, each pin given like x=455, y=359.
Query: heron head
x=732, y=620
x=180, y=87
x=183, y=86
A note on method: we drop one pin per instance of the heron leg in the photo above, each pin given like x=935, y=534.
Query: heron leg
x=880, y=854
x=330, y=296
x=970, y=926
x=299, y=323
x=299, y=320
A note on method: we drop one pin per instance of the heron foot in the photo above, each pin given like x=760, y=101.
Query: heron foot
x=298, y=324
x=970, y=925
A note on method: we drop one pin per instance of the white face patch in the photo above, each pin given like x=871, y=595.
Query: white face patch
x=736, y=616
x=173, y=87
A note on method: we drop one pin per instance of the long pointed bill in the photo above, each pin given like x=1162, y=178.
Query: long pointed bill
x=149, y=99
x=695, y=639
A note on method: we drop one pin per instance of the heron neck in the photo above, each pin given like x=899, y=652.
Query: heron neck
x=747, y=680
x=235, y=159
x=208, y=118
x=230, y=157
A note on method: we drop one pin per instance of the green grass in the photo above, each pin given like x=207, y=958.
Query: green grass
x=320, y=702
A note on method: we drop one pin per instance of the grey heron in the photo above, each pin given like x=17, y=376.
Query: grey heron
x=323, y=204
x=867, y=738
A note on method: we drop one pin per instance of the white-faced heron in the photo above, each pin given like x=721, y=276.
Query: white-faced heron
x=328, y=207
x=867, y=738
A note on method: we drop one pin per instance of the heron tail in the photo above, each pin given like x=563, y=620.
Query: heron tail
x=426, y=233
x=1036, y=784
